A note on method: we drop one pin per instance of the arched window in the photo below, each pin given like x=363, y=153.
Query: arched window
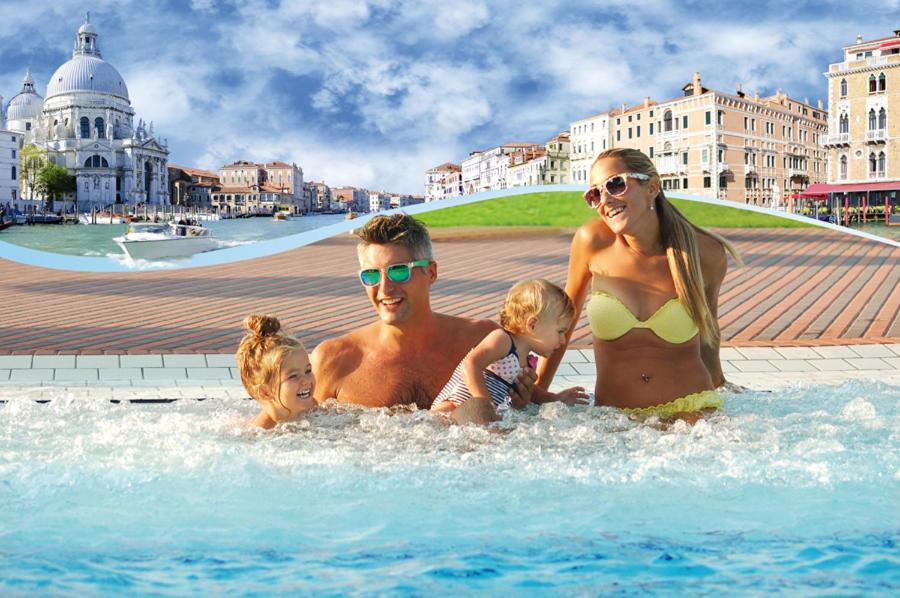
x=843, y=88
x=844, y=124
x=881, y=163
x=843, y=168
x=100, y=128
x=882, y=119
x=882, y=82
x=85, y=127
x=873, y=163
x=667, y=120
x=872, y=119
x=96, y=161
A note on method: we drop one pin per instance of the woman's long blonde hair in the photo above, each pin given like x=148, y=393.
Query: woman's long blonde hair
x=679, y=237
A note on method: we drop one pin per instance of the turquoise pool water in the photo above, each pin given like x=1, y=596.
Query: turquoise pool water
x=794, y=492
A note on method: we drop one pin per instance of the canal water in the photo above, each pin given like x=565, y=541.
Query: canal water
x=97, y=240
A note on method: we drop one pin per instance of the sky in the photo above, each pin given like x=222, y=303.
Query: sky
x=372, y=93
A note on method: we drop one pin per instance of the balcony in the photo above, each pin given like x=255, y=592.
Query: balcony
x=797, y=172
x=722, y=167
x=749, y=169
x=667, y=134
x=876, y=174
x=876, y=136
x=838, y=139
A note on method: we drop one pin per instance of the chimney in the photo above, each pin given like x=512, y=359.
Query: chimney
x=896, y=32
x=647, y=102
x=740, y=90
x=821, y=107
x=756, y=95
x=806, y=100
x=695, y=84
x=859, y=39
x=623, y=108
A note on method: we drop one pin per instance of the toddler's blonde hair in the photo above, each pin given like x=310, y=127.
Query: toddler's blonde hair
x=537, y=297
x=261, y=353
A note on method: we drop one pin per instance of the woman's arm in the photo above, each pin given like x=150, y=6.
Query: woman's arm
x=715, y=265
x=577, y=283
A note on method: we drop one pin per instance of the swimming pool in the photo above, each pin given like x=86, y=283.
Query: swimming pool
x=789, y=492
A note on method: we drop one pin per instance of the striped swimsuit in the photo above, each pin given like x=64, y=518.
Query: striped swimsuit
x=498, y=376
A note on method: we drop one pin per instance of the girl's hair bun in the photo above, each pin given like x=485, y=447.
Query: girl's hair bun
x=262, y=325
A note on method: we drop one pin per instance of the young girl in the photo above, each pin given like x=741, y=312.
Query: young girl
x=534, y=317
x=275, y=370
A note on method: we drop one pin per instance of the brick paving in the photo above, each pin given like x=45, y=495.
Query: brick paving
x=799, y=288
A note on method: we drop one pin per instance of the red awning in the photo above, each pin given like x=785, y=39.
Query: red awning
x=894, y=43
x=823, y=189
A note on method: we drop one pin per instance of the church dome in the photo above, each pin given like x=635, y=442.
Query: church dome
x=85, y=72
x=25, y=104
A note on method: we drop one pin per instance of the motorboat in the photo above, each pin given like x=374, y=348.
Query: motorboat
x=281, y=216
x=160, y=240
x=102, y=218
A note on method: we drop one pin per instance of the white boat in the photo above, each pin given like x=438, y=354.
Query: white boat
x=281, y=216
x=152, y=240
x=101, y=218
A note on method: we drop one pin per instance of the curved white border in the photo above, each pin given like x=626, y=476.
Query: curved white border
x=44, y=259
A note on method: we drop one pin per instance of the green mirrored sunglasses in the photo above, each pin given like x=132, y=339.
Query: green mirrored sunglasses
x=395, y=272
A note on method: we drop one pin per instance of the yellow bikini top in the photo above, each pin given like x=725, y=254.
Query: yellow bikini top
x=610, y=319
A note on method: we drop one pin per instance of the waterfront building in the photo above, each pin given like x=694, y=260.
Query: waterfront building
x=251, y=188
x=321, y=198
x=443, y=181
x=541, y=166
x=727, y=146
x=863, y=140
x=588, y=138
x=9, y=167
x=402, y=201
x=526, y=167
x=486, y=170
x=379, y=201
x=86, y=124
x=192, y=187
x=350, y=199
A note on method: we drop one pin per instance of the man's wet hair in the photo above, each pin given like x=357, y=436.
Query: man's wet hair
x=399, y=229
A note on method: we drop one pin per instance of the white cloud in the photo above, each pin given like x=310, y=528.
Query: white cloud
x=393, y=87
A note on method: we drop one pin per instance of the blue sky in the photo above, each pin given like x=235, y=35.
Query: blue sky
x=373, y=93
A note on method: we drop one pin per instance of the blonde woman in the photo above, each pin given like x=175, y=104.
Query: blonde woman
x=652, y=282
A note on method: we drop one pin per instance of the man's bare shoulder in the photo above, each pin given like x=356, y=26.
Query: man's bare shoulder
x=344, y=349
x=466, y=326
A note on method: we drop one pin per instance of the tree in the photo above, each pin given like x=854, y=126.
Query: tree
x=32, y=160
x=55, y=180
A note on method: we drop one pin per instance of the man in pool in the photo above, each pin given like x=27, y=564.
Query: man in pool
x=408, y=354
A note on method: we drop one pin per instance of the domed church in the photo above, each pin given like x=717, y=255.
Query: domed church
x=86, y=123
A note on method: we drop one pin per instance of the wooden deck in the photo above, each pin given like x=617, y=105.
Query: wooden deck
x=800, y=287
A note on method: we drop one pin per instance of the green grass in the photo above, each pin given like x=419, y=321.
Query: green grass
x=568, y=210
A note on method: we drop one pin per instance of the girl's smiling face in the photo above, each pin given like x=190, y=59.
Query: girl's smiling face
x=295, y=389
